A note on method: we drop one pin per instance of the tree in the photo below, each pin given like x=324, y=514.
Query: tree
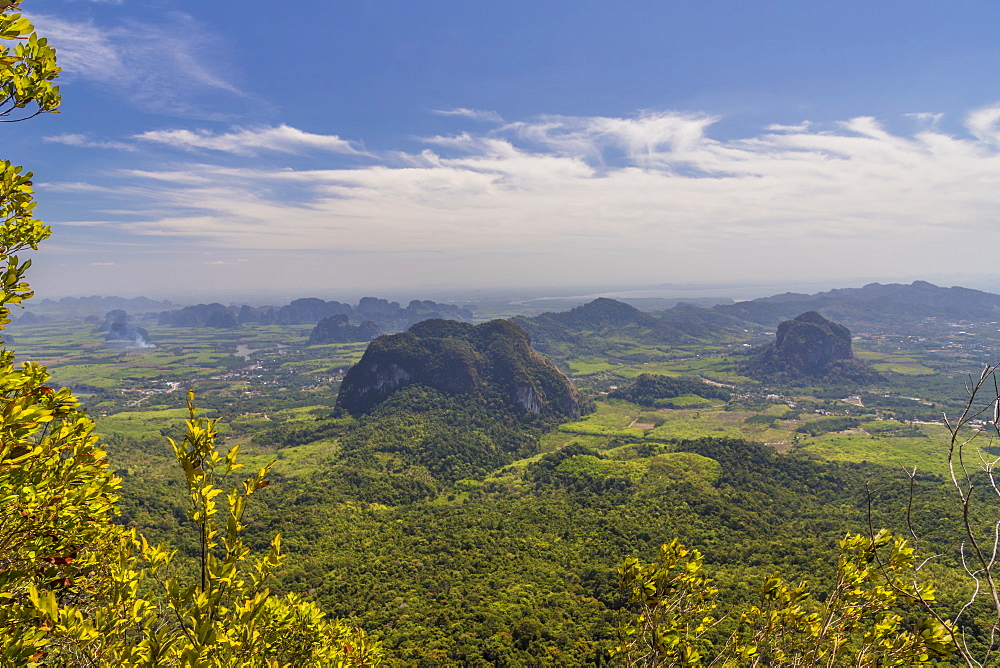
x=77, y=589
x=973, y=474
x=672, y=603
x=672, y=608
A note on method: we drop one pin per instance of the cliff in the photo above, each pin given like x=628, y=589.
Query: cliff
x=810, y=346
x=490, y=362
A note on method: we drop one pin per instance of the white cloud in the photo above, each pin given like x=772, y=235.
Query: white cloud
x=83, y=141
x=798, y=127
x=250, y=141
x=926, y=118
x=163, y=68
x=475, y=114
x=653, y=194
x=982, y=123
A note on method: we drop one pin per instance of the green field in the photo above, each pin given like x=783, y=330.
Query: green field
x=257, y=377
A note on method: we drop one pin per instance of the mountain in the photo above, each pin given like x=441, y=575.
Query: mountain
x=810, y=342
x=704, y=322
x=810, y=346
x=305, y=311
x=386, y=316
x=491, y=362
x=393, y=318
x=874, y=304
x=604, y=323
x=338, y=329
x=200, y=315
x=76, y=307
x=656, y=391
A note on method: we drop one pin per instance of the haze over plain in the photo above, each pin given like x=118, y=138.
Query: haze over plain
x=229, y=147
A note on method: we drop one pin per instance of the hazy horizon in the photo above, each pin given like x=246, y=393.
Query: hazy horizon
x=536, y=295
x=473, y=146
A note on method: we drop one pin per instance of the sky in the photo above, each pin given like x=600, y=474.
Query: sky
x=327, y=147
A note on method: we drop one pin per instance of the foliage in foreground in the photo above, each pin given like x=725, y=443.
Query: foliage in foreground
x=81, y=590
x=673, y=609
x=77, y=589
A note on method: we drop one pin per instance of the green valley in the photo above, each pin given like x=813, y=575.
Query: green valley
x=456, y=527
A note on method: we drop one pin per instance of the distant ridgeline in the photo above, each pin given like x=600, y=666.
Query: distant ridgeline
x=874, y=304
x=370, y=317
x=492, y=361
x=605, y=317
x=591, y=326
x=892, y=305
x=657, y=391
x=606, y=328
x=810, y=346
x=79, y=307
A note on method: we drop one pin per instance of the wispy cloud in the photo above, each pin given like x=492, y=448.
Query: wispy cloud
x=251, y=141
x=651, y=193
x=798, y=127
x=475, y=114
x=84, y=141
x=166, y=67
x=983, y=123
x=598, y=138
x=927, y=119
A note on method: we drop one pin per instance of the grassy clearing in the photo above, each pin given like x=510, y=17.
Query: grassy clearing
x=692, y=426
x=662, y=368
x=589, y=466
x=589, y=366
x=928, y=453
x=301, y=414
x=668, y=469
x=150, y=423
x=295, y=461
x=906, y=365
x=904, y=368
x=613, y=414
x=610, y=419
x=557, y=440
x=692, y=401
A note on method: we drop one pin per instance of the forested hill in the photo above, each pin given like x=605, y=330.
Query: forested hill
x=593, y=325
x=492, y=361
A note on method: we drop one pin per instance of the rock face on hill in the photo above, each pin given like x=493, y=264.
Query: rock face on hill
x=810, y=346
x=810, y=342
x=493, y=361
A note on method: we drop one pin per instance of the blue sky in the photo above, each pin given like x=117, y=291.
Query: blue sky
x=331, y=147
